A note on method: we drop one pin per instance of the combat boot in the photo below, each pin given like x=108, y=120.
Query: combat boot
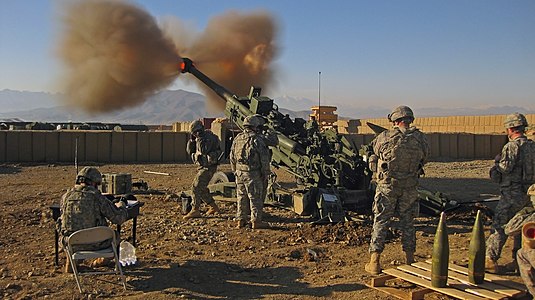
x=512, y=267
x=100, y=262
x=194, y=213
x=214, y=209
x=409, y=258
x=374, y=266
x=241, y=223
x=491, y=266
x=259, y=225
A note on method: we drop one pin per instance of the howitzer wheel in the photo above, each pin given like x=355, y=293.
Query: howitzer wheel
x=222, y=177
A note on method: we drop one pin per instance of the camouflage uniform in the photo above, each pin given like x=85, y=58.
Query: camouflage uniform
x=513, y=195
x=271, y=140
x=401, y=154
x=249, y=159
x=204, y=151
x=526, y=263
x=84, y=207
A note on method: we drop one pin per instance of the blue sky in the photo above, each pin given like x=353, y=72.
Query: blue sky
x=381, y=53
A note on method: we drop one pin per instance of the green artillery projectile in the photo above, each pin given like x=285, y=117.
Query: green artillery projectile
x=476, y=253
x=441, y=255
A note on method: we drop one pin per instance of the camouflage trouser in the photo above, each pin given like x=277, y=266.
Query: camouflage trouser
x=513, y=199
x=389, y=200
x=199, y=188
x=250, y=189
x=526, y=261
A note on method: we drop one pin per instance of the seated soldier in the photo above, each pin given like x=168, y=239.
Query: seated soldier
x=525, y=256
x=84, y=207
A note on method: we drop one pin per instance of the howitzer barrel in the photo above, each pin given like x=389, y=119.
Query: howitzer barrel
x=188, y=67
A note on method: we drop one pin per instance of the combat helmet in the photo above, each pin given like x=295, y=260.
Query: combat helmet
x=515, y=120
x=196, y=126
x=401, y=112
x=253, y=121
x=89, y=174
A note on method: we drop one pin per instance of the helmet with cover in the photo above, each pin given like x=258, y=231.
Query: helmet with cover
x=401, y=112
x=196, y=126
x=253, y=121
x=89, y=175
x=515, y=120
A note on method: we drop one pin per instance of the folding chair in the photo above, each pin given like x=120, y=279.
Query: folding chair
x=93, y=235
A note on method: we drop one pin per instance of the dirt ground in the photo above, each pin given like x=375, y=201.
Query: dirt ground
x=209, y=258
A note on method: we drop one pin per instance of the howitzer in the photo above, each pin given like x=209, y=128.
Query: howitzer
x=329, y=171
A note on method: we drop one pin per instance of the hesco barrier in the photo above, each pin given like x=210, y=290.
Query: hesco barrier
x=168, y=147
x=93, y=146
x=492, y=124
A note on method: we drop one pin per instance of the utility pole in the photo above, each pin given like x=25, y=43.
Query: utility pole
x=319, y=98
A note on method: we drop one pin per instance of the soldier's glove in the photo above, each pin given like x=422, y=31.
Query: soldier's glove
x=497, y=158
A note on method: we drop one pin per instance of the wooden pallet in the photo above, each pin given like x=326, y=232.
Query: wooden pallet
x=419, y=273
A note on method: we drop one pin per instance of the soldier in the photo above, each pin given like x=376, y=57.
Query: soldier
x=271, y=140
x=204, y=149
x=514, y=171
x=400, y=154
x=249, y=159
x=526, y=255
x=84, y=207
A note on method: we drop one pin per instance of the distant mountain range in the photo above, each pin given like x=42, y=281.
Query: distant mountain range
x=170, y=106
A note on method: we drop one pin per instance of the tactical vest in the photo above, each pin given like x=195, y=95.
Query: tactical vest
x=400, y=157
x=527, y=161
x=247, y=158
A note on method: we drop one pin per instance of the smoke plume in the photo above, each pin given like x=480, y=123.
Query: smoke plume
x=235, y=50
x=115, y=55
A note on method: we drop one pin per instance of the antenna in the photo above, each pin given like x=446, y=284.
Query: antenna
x=76, y=155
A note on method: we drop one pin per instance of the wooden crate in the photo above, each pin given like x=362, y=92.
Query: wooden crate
x=419, y=273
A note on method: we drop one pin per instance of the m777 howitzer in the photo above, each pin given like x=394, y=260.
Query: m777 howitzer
x=330, y=173
x=431, y=203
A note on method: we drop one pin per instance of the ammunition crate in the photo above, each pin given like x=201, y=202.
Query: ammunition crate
x=117, y=184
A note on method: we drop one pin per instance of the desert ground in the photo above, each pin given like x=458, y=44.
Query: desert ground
x=209, y=258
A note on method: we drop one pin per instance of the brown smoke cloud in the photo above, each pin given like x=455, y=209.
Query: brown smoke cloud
x=235, y=50
x=115, y=55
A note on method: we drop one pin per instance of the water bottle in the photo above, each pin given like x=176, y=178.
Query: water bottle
x=127, y=254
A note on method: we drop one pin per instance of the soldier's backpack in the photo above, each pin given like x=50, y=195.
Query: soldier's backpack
x=527, y=157
x=403, y=155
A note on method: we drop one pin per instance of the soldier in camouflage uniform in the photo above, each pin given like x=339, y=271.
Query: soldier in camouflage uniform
x=526, y=255
x=204, y=149
x=513, y=170
x=400, y=154
x=84, y=207
x=271, y=140
x=249, y=159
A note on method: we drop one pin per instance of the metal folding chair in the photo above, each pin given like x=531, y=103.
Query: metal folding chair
x=88, y=236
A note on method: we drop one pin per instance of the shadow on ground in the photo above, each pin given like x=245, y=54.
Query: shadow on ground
x=213, y=279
